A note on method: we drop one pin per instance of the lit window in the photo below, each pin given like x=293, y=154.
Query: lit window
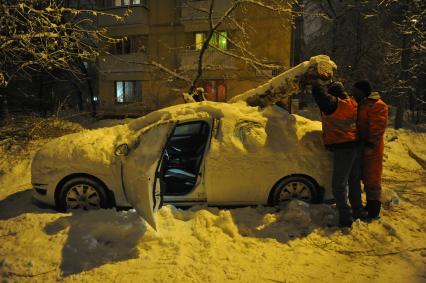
x=119, y=3
x=128, y=91
x=219, y=40
x=200, y=37
x=119, y=92
x=222, y=40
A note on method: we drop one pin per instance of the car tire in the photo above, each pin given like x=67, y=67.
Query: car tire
x=92, y=193
x=295, y=187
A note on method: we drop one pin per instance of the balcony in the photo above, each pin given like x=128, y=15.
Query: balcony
x=138, y=16
x=122, y=63
x=212, y=60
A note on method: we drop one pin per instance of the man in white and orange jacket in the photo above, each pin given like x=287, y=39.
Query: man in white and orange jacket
x=340, y=135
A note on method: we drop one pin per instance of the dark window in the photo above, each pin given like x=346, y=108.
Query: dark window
x=106, y=4
x=128, y=91
x=130, y=44
x=139, y=43
x=182, y=159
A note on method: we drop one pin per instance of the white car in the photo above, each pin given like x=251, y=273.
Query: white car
x=198, y=153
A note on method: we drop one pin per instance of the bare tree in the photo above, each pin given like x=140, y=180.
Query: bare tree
x=382, y=41
x=406, y=54
x=39, y=35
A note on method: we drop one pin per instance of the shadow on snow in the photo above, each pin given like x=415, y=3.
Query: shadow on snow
x=95, y=238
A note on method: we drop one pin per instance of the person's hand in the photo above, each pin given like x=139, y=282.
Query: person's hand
x=370, y=145
x=369, y=148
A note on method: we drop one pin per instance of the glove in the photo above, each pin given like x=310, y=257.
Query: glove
x=369, y=145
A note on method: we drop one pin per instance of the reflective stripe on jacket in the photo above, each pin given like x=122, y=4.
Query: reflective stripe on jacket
x=340, y=126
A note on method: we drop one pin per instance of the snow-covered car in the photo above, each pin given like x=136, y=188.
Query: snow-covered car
x=198, y=153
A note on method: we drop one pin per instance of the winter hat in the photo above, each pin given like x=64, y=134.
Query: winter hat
x=363, y=86
x=336, y=89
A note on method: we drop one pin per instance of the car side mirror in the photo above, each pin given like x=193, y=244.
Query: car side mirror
x=122, y=150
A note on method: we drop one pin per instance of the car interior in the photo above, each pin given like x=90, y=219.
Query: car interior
x=183, y=156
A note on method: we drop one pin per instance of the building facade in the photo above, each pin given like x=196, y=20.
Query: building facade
x=162, y=41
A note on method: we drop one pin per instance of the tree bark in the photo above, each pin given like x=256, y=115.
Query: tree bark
x=405, y=63
x=90, y=87
x=4, y=109
x=297, y=35
x=400, y=109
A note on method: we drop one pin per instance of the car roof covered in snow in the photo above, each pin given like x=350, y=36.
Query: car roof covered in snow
x=201, y=110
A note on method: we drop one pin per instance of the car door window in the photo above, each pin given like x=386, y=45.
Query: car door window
x=183, y=157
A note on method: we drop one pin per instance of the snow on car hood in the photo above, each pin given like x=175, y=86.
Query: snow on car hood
x=86, y=149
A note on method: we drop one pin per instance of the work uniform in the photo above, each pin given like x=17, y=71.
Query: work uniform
x=372, y=122
x=340, y=135
x=340, y=126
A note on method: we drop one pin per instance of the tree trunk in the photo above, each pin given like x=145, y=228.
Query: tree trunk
x=289, y=83
x=4, y=111
x=90, y=87
x=400, y=109
x=405, y=61
x=297, y=35
x=92, y=96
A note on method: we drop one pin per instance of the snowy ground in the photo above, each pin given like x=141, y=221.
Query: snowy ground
x=263, y=244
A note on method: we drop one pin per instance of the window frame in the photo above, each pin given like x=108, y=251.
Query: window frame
x=127, y=5
x=132, y=44
x=135, y=88
x=199, y=176
x=108, y=4
x=215, y=37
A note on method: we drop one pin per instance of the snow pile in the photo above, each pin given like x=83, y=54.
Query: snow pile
x=402, y=143
x=108, y=123
x=96, y=146
x=293, y=243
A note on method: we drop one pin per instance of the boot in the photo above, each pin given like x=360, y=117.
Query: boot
x=359, y=213
x=373, y=209
x=345, y=219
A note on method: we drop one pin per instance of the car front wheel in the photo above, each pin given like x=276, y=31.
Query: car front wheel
x=82, y=193
x=295, y=187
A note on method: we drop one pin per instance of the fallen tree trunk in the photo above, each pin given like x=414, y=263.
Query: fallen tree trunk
x=289, y=83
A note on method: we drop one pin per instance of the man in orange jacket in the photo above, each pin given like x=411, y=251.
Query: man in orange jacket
x=372, y=122
x=339, y=116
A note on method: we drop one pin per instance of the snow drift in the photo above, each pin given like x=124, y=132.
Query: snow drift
x=292, y=243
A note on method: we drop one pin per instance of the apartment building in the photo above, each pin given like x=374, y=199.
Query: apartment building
x=168, y=35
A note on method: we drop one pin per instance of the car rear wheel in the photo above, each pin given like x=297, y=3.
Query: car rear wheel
x=83, y=193
x=295, y=187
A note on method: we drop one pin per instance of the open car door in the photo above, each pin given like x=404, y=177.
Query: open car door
x=140, y=168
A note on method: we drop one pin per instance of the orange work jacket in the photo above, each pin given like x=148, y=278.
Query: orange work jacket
x=340, y=126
